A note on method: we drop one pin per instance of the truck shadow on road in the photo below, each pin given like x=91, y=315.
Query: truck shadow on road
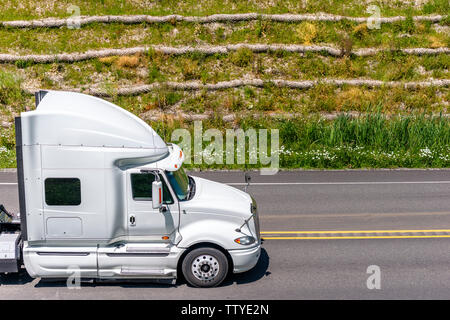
x=258, y=272
x=21, y=277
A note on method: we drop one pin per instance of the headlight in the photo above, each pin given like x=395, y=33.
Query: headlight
x=246, y=240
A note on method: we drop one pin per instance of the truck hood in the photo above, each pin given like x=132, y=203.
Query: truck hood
x=218, y=198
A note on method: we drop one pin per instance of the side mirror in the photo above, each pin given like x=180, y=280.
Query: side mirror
x=157, y=196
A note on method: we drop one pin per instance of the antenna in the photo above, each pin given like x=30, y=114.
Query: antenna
x=247, y=177
x=247, y=180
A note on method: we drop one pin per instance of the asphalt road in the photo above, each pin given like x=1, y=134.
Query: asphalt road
x=355, y=219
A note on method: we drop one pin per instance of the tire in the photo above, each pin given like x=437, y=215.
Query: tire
x=205, y=267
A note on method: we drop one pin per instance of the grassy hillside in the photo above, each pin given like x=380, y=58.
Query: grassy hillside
x=29, y=9
x=408, y=118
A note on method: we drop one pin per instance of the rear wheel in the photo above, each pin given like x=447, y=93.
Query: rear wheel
x=205, y=267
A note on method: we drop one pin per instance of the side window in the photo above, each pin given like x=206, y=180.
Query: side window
x=141, y=185
x=62, y=191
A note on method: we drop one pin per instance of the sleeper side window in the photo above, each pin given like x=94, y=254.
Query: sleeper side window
x=141, y=185
x=62, y=191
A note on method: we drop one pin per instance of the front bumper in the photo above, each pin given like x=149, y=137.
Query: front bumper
x=245, y=259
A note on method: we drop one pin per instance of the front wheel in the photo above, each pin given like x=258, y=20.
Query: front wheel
x=205, y=267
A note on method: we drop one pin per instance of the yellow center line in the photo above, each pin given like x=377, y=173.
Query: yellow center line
x=392, y=234
x=353, y=231
x=356, y=237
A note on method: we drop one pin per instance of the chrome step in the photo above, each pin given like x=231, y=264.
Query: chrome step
x=149, y=250
x=146, y=272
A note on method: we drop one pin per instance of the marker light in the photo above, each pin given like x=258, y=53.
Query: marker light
x=246, y=240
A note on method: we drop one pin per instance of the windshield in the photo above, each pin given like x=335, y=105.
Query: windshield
x=179, y=182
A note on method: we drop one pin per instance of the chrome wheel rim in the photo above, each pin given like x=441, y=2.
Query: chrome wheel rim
x=205, y=267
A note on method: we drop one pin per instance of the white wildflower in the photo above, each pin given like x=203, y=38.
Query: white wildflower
x=426, y=153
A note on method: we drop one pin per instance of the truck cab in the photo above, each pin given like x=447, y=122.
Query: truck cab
x=103, y=196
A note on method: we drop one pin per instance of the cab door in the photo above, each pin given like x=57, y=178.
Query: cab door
x=144, y=222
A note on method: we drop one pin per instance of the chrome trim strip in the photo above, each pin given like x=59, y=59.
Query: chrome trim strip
x=48, y=253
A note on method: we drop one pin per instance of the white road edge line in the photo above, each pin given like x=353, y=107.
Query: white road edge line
x=337, y=183
x=307, y=183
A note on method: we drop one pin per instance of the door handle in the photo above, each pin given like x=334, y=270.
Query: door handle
x=132, y=220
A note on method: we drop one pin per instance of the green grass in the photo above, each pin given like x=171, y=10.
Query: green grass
x=98, y=36
x=156, y=67
x=7, y=148
x=7, y=158
x=10, y=90
x=33, y=9
x=373, y=141
x=393, y=134
x=292, y=66
x=322, y=98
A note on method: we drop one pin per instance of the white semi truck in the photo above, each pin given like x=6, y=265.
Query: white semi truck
x=102, y=196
